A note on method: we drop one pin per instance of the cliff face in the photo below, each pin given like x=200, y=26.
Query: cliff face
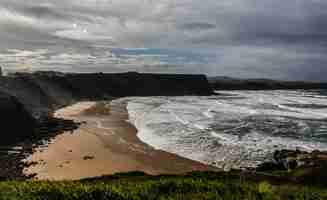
x=28, y=92
x=42, y=92
x=16, y=122
x=65, y=87
x=135, y=84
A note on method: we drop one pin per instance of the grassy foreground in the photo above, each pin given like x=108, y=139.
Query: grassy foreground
x=141, y=187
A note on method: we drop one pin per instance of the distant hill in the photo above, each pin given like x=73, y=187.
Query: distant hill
x=228, y=83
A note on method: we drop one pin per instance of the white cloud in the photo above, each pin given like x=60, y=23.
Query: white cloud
x=41, y=59
x=8, y=16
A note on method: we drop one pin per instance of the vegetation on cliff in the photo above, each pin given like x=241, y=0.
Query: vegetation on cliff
x=140, y=186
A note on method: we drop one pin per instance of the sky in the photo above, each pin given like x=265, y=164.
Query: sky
x=278, y=39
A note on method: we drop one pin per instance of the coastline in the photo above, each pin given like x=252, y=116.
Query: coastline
x=104, y=144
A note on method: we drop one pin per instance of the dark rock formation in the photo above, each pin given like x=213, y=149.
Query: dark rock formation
x=42, y=92
x=28, y=92
x=291, y=160
x=16, y=122
x=101, y=86
x=226, y=83
x=305, y=167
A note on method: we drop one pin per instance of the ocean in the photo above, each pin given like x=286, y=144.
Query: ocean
x=235, y=129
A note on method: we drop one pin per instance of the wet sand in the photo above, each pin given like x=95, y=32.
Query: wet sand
x=104, y=144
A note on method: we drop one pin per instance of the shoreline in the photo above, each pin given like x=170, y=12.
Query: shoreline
x=104, y=144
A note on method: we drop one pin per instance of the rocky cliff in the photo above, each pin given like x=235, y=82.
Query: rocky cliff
x=42, y=92
x=16, y=121
x=135, y=84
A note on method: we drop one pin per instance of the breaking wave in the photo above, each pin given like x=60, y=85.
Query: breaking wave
x=236, y=129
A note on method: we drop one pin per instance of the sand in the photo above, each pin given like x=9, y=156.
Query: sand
x=103, y=145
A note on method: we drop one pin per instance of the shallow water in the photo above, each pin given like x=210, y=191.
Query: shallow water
x=236, y=129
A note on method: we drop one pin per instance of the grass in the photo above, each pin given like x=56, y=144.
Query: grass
x=138, y=186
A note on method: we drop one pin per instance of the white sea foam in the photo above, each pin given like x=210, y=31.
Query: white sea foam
x=237, y=129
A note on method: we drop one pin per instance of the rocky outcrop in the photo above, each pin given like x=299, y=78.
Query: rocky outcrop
x=16, y=122
x=226, y=83
x=291, y=160
x=304, y=167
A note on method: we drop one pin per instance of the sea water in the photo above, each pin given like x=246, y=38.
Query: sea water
x=235, y=129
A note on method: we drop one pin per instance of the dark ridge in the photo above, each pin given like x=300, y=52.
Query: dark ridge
x=42, y=92
x=227, y=83
x=102, y=85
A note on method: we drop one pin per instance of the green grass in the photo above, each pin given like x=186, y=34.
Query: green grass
x=142, y=187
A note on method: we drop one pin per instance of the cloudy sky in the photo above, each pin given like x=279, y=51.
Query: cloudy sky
x=281, y=39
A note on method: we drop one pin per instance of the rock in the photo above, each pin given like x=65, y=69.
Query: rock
x=16, y=122
x=304, y=167
x=88, y=157
x=291, y=160
x=102, y=86
x=29, y=93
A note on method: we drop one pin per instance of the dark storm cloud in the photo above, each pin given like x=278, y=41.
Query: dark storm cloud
x=309, y=29
x=279, y=38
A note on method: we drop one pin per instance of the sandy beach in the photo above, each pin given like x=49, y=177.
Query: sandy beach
x=104, y=144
